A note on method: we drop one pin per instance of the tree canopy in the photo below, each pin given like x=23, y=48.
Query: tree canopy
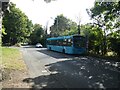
x=62, y=25
x=17, y=26
x=105, y=16
x=37, y=35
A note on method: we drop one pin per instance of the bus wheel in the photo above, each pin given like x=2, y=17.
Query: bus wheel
x=63, y=50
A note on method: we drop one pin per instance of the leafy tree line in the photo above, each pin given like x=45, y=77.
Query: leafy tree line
x=105, y=16
x=19, y=29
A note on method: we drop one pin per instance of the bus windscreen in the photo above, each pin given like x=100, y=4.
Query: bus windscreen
x=79, y=42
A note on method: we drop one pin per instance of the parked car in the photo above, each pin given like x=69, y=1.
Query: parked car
x=38, y=45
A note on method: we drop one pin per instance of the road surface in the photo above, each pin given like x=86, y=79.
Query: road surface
x=48, y=69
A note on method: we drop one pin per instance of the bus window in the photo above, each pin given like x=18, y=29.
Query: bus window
x=65, y=42
x=53, y=42
x=60, y=43
x=69, y=42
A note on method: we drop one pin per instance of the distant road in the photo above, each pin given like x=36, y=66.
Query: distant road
x=56, y=70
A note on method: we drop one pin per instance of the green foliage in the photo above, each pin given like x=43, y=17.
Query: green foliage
x=115, y=45
x=62, y=26
x=37, y=35
x=114, y=42
x=69, y=32
x=105, y=13
x=105, y=16
x=17, y=25
x=94, y=37
x=3, y=31
x=109, y=9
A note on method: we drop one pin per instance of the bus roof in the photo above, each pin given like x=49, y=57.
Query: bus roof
x=62, y=37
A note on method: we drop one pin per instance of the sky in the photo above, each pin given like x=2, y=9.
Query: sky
x=42, y=13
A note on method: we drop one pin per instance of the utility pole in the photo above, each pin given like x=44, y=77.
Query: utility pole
x=45, y=33
x=46, y=28
x=57, y=23
x=78, y=20
x=79, y=29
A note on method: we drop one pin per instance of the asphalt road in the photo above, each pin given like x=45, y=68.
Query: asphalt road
x=48, y=69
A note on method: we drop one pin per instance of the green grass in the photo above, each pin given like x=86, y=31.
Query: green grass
x=12, y=59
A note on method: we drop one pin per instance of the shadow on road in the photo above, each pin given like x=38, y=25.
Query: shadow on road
x=54, y=54
x=57, y=55
x=75, y=73
x=43, y=81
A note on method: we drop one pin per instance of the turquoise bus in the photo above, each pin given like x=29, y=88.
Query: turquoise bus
x=74, y=44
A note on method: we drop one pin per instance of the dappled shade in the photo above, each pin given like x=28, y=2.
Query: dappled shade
x=78, y=72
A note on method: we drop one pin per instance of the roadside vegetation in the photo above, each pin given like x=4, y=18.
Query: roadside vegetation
x=11, y=60
x=17, y=29
x=103, y=34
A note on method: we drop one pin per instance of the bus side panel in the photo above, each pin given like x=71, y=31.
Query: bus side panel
x=79, y=50
x=55, y=48
x=68, y=50
x=72, y=50
x=49, y=47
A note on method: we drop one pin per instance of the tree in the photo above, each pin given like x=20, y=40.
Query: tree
x=115, y=45
x=72, y=29
x=3, y=31
x=104, y=15
x=61, y=26
x=37, y=36
x=94, y=38
x=28, y=31
x=16, y=24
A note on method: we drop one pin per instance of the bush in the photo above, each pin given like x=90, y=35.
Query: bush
x=115, y=45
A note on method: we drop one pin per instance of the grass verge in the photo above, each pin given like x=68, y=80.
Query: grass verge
x=11, y=60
